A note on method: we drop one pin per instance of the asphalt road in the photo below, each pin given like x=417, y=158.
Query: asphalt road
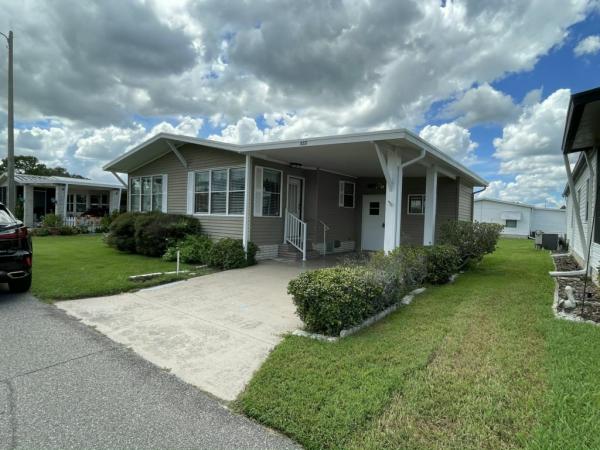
x=64, y=385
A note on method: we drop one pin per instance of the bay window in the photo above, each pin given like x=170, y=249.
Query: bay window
x=218, y=191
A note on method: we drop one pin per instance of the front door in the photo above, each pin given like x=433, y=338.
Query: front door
x=295, y=196
x=373, y=222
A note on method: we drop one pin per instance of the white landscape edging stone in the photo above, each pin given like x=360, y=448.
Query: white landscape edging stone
x=406, y=300
x=562, y=314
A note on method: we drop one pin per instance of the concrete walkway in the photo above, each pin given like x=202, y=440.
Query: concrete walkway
x=63, y=385
x=212, y=331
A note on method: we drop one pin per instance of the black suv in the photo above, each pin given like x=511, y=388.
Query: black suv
x=16, y=252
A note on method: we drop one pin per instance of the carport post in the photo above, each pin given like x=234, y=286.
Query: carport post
x=430, y=205
x=248, y=185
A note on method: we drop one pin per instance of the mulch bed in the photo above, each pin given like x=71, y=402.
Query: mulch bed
x=591, y=306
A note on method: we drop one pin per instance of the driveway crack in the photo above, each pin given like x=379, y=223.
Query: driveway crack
x=60, y=363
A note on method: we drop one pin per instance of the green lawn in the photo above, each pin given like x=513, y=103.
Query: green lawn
x=66, y=267
x=478, y=364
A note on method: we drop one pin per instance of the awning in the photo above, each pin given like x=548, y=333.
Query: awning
x=511, y=215
x=582, y=129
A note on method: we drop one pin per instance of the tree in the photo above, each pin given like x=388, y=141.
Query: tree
x=30, y=165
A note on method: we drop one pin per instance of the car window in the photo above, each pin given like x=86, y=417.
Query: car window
x=6, y=218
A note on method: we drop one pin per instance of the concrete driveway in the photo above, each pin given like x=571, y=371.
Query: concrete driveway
x=212, y=331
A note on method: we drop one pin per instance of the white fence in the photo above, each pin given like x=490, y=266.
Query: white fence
x=91, y=223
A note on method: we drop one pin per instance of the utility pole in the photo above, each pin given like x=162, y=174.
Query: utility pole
x=11, y=192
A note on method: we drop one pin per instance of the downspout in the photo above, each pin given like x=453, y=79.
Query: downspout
x=577, y=213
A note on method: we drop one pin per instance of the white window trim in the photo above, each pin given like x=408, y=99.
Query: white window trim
x=511, y=220
x=191, y=190
x=164, y=191
x=341, y=185
x=258, y=192
x=408, y=197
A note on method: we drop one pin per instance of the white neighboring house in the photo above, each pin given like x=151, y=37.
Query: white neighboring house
x=41, y=195
x=520, y=219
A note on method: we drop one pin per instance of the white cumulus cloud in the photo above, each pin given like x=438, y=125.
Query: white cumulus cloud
x=451, y=139
x=588, y=46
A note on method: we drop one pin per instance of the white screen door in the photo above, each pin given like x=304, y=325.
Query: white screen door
x=295, y=196
x=373, y=222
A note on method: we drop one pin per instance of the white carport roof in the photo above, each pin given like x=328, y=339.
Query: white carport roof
x=21, y=178
x=350, y=154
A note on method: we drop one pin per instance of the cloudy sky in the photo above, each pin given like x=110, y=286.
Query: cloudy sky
x=489, y=86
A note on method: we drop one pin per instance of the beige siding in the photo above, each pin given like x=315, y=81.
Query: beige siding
x=411, y=225
x=198, y=158
x=340, y=220
x=447, y=199
x=465, y=202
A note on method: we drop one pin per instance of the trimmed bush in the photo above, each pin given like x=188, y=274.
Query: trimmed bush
x=330, y=300
x=442, y=262
x=105, y=222
x=149, y=233
x=67, y=231
x=155, y=231
x=39, y=231
x=193, y=249
x=122, y=232
x=229, y=254
x=472, y=239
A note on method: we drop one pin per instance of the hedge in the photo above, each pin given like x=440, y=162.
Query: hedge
x=149, y=233
x=224, y=254
x=473, y=239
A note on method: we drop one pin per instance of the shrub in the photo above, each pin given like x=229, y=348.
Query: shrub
x=39, y=231
x=122, y=232
x=149, y=233
x=155, y=231
x=329, y=300
x=67, y=231
x=52, y=221
x=193, y=249
x=442, y=262
x=229, y=254
x=472, y=239
x=105, y=222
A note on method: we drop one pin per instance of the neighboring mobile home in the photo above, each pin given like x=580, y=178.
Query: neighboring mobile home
x=366, y=191
x=582, y=135
x=520, y=219
x=41, y=195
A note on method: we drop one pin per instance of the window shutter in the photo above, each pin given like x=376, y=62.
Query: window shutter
x=165, y=180
x=341, y=194
x=258, y=191
x=190, y=193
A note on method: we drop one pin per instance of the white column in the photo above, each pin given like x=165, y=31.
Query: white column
x=114, y=200
x=28, y=205
x=430, y=205
x=393, y=201
x=248, y=187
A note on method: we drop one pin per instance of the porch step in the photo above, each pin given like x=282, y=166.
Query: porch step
x=288, y=251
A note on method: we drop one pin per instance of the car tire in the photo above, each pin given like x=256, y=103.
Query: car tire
x=20, y=285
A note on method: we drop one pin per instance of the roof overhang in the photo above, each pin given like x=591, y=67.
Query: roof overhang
x=582, y=127
x=350, y=154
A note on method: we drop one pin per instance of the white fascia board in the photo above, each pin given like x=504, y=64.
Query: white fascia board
x=309, y=142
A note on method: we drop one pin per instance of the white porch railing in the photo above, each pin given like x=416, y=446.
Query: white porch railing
x=295, y=232
x=90, y=222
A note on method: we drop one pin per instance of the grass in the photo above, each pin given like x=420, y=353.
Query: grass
x=67, y=267
x=478, y=364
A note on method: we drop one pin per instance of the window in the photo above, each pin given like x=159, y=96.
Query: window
x=147, y=193
x=579, y=201
x=373, y=208
x=347, y=194
x=416, y=204
x=510, y=223
x=76, y=203
x=99, y=201
x=219, y=191
x=267, y=192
